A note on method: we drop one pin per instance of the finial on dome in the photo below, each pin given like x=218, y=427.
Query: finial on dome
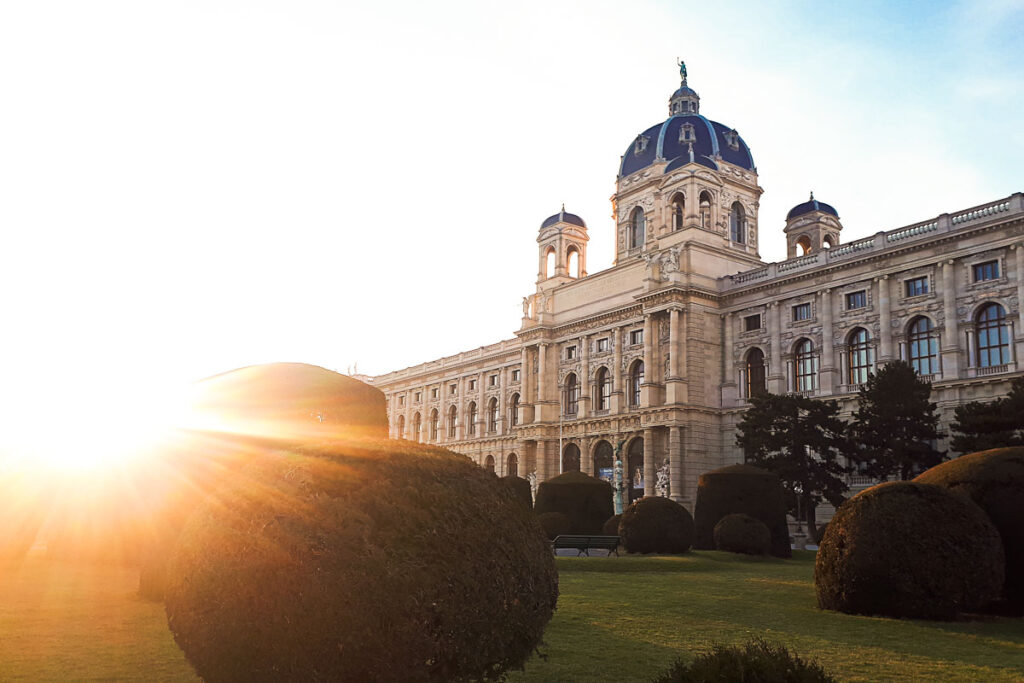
x=561, y=215
x=684, y=100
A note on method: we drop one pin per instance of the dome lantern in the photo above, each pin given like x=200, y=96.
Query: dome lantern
x=684, y=100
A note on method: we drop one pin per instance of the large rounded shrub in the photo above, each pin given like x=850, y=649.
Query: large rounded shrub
x=757, y=662
x=905, y=549
x=741, y=488
x=391, y=562
x=585, y=500
x=611, y=527
x=995, y=481
x=656, y=525
x=521, y=488
x=554, y=524
x=740, y=533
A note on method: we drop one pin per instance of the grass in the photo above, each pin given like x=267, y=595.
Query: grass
x=619, y=619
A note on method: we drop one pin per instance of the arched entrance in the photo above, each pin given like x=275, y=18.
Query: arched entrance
x=512, y=465
x=604, y=461
x=635, y=469
x=571, y=458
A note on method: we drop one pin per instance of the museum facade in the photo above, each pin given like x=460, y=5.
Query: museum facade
x=658, y=355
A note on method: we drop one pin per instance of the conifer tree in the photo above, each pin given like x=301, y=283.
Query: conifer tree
x=895, y=425
x=981, y=426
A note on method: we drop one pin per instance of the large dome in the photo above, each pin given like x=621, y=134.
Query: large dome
x=712, y=142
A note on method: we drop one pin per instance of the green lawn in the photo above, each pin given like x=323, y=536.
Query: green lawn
x=619, y=619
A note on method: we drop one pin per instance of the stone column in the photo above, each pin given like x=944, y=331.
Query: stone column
x=777, y=373
x=673, y=383
x=650, y=469
x=951, y=332
x=586, y=389
x=827, y=373
x=618, y=387
x=650, y=369
x=502, y=419
x=675, y=463
x=542, y=381
x=884, y=321
x=728, y=386
x=481, y=402
x=586, y=461
x=1018, y=345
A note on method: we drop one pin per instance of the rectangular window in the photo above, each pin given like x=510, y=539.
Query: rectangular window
x=989, y=270
x=401, y=400
x=472, y=385
x=802, y=312
x=492, y=381
x=570, y=352
x=917, y=286
x=856, y=300
x=453, y=389
x=636, y=337
x=752, y=322
x=433, y=393
x=418, y=396
x=515, y=375
x=602, y=344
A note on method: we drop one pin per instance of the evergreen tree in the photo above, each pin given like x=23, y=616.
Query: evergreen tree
x=895, y=424
x=981, y=426
x=801, y=440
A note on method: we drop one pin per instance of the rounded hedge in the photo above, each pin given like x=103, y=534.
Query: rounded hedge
x=905, y=549
x=554, y=524
x=741, y=488
x=656, y=525
x=585, y=500
x=740, y=533
x=392, y=562
x=520, y=487
x=994, y=480
x=757, y=662
x=611, y=527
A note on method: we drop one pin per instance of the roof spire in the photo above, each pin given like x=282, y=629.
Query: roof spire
x=561, y=216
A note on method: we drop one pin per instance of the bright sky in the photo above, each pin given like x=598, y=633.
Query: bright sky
x=193, y=186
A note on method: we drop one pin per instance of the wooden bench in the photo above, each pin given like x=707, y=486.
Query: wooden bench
x=583, y=543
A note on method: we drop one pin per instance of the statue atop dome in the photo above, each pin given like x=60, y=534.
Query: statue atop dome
x=682, y=69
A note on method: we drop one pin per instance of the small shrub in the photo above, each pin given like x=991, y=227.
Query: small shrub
x=995, y=481
x=585, y=500
x=520, y=487
x=757, y=661
x=904, y=549
x=554, y=524
x=656, y=525
x=611, y=527
x=741, y=488
x=740, y=533
x=387, y=562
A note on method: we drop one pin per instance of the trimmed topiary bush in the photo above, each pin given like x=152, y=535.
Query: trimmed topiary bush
x=995, y=481
x=757, y=662
x=520, y=487
x=656, y=525
x=554, y=524
x=611, y=527
x=904, y=549
x=585, y=500
x=740, y=533
x=741, y=488
x=387, y=562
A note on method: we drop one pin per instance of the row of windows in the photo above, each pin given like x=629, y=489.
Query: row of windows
x=992, y=350
x=452, y=419
x=453, y=389
x=737, y=219
x=603, y=383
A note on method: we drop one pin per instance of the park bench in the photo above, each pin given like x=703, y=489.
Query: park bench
x=584, y=542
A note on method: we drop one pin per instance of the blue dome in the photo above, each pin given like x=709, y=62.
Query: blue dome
x=710, y=144
x=564, y=217
x=811, y=205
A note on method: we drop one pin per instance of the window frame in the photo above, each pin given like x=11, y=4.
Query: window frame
x=858, y=356
x=984, y=329
x=978, y=271
x=923, y=279
x=926, y=340
x=859, y=297
x=800, y=308
x=746, y=322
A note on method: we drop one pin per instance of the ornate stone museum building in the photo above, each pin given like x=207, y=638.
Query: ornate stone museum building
x=658, y=354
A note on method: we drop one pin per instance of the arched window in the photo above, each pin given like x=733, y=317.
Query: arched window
x=416, y=426
x=604, y=461
x=401, y=426
x=492, y=415
x=453, y=421
x=489, y=463
x=829, y=241
x=572, y=394
x=755, y=373
x=859, y=360
x=513, y=410
x=922, y=346
x=637, y=228
x=705, y=210
x=434, y=419
x=604, y=389
x=471, y=419
x=805, y=245
x=549, y=262
x=678, y=207
x=806, y=370
x=512, y=465
x=571, y=458
x=738, y=223
x=573, y=262
x=636, y=380
x=993, y=336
